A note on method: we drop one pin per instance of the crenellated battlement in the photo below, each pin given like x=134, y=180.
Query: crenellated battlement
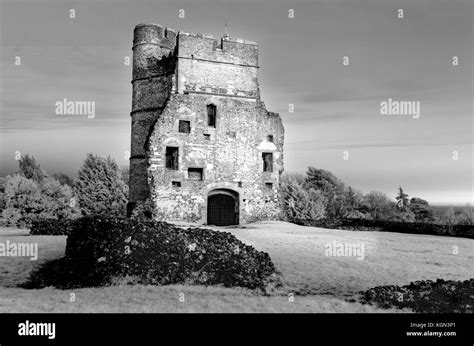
x=197, y=46
x=228, y=50
x=149, y=33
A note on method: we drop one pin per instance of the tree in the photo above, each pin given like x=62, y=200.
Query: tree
x=421, y=209
x=296, y=176
x=379, y=205
x=99, y=187
x=450, y=217
x=59, y=200
x=466, y=217
x=355, y=207
x=3, y=182
x=30, y=169
x=402, y=200
x=331, y=188
x=403, y=216
x=125, y=174
x=63, y=179
x=324, y=181
x=27, y=200
x=299, y=203
x=353, y=199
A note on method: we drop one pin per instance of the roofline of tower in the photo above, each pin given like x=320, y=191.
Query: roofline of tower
x=226, y=38
x=223, y=38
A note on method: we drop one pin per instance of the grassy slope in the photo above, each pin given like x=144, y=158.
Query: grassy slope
x=390, y=258
x=320, y=282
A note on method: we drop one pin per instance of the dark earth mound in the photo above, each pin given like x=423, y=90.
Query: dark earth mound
x=438, y=296
x=101, y=251
x=51, y=226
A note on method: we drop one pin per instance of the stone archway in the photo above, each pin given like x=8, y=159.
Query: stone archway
x=223, y=207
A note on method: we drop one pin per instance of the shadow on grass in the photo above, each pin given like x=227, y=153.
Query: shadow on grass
x=64, y=273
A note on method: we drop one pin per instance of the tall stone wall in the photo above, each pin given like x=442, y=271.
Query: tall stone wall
x=228, y=68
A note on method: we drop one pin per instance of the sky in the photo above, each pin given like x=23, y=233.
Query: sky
x=337, y=123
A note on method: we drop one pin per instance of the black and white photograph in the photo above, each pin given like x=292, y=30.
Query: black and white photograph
x=239, y=162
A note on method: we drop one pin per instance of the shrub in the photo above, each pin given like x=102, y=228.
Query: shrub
x=101, y=251
x=99, y=187
x=143, y=210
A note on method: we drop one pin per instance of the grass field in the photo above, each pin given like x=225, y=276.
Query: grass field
x=319, y=283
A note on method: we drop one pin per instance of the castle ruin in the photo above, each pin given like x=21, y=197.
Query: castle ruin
x=204, y=148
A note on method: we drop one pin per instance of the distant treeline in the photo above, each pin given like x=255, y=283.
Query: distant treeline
x=464, y=231
x=319, y=198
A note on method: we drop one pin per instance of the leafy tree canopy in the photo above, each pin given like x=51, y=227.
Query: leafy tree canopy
x=99, y=187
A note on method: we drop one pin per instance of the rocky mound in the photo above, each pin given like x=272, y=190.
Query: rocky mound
x=438, y=296
x=101, y=251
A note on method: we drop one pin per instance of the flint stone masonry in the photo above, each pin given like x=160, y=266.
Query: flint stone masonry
x=176, y=76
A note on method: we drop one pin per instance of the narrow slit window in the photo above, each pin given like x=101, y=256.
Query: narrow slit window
x=270, y=138
x=211, y=115
x=184, y=126
x=195, y=174
x=267, y=162
x=172, y=154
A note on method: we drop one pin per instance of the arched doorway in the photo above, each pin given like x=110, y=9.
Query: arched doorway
x=223, y=207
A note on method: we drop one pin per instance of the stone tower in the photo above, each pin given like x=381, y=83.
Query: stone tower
x=204, y=148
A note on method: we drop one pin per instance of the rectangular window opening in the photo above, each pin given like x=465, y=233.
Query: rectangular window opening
x=176, y=183
x=269, y=186
x=184, y=126
x=211, y=115
x=195, y=174
x=267, y=162
x=172, y=154
x=207, y=137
